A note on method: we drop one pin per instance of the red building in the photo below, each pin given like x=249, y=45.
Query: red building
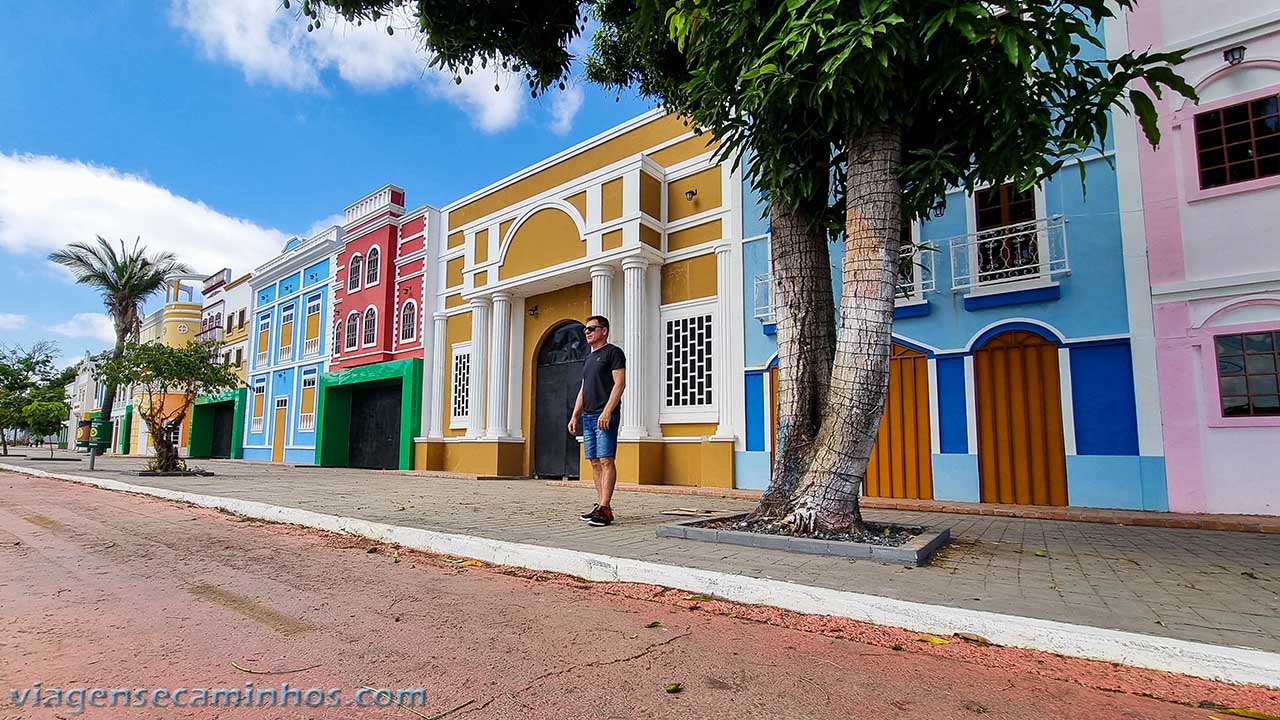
x=378, y=282
x=371, y=399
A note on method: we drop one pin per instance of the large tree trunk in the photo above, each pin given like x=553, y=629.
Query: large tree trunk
x=166, y=459
x=806, y=346
x=826, y=498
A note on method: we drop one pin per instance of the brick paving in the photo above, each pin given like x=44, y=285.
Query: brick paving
x=1202, y=585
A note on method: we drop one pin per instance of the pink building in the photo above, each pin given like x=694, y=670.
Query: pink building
x=1210, y=200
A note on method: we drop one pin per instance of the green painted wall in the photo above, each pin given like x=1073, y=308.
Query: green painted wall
x=333, y=425
x=126, y=429
x=200, y=439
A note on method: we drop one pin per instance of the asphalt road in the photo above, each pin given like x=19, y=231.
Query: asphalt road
x=107, y=590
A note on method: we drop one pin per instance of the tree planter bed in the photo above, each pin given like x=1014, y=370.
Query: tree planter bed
x=917, y=550
x=176, y=473
x=50, y=459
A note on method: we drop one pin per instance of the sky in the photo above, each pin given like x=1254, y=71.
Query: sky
x=218, y=130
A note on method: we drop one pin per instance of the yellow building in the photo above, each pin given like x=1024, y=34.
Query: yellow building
x=640, y=224
x=176, y=324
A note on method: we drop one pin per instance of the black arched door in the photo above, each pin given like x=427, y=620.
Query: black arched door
x=558, y=376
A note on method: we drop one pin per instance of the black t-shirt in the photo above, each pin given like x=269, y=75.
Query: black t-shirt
x=597, y=377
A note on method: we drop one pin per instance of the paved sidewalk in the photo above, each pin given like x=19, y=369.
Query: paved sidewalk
x=1207, y=586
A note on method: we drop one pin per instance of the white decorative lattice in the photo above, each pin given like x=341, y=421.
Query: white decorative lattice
x=687, y=383
x=461, y=384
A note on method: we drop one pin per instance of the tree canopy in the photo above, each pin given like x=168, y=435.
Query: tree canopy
x=166, y=381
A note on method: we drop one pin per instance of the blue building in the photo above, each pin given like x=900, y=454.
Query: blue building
x=289, y=348
x=1015, y=346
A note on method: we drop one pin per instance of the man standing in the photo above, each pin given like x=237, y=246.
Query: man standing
x=604, y=376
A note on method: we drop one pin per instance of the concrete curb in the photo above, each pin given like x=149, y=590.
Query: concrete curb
x=1214, y=662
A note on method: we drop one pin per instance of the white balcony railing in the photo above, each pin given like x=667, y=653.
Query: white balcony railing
x=765, y=309
x=256, y=425
x=286, y=353
x=310, y=347
x=263, y=357
x=915, y=272
x=1036, y=249
x=307, y=422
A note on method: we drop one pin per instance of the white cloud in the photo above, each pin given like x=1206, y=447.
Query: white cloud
x=324, y=223
x=270, y=44
x=87, y=325
x=564, y=108
x=12, y=321
x=46, y=202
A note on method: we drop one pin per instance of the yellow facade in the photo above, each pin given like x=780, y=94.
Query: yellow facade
x=612, y=198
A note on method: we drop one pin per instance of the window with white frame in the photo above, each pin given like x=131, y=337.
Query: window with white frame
x=259, y=405
x=307, y=402
x=408, y=321
x=373, y=266
x=354, y=273
x=370, y=326
x=460, y=385
x=353, y=331
x=687, y=359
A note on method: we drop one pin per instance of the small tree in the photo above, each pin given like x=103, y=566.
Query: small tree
x=167, y=381
x=43, y=418
x=26, y=375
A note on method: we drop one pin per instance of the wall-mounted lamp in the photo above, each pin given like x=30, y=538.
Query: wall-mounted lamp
x=1234, y=56
x=940, y=207
x=691, y=194
x=532, y=311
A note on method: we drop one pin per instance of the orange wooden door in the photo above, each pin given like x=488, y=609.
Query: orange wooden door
x=901, y=464
x=1021, y=452
x=278, y=427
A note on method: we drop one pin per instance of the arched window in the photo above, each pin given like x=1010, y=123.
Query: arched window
x=408, y=321
x=353, y=330
x=373, y=266
x=370, y=326
x=354, y=272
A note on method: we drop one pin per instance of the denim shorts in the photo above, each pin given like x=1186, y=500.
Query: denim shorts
x=597, y=443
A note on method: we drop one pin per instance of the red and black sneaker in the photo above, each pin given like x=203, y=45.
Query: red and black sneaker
x=602, y=516
x=590, y=513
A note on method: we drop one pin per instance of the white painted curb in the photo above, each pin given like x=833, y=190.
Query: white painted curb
x=1214, y=662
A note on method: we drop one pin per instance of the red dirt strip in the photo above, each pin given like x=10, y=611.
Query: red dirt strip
x=110, y=590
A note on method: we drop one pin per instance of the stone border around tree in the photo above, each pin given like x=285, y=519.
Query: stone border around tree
x=176, y=473
x=917, y=551
x=53, y=459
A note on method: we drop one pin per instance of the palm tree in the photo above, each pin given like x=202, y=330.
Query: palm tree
x=125, y=279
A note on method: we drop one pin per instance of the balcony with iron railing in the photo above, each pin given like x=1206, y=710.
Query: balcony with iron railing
x=988, y=262
x=1028, y=251
x=256, y=425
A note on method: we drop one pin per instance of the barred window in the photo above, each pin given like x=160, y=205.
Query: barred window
x=688, y=362
x=353, y=330
x=370, y=326
x=461, y=386
x=373, y=267
x=354, y=272
x=409, y=321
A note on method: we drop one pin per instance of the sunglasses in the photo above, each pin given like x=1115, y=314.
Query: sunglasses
x=593, y=328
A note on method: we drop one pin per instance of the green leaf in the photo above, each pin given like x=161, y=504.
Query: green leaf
x=1148, y=118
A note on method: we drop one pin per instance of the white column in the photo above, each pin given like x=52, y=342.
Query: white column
x=499, y=365
x=602, y=291
x=721, y=367
x=635, y=300
x=439, y=358
x=479, y=366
